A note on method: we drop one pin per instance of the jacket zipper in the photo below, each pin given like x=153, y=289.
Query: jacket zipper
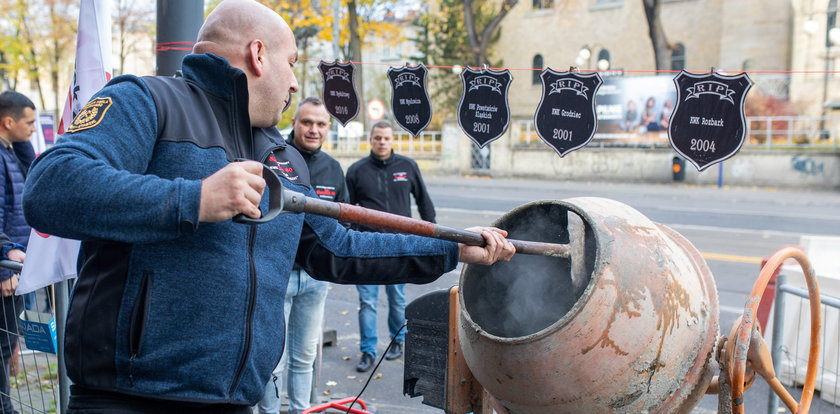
x=138, y=324
x=249, y=319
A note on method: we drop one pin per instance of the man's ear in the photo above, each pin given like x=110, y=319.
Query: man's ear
x=6, y=122
x=257, y=56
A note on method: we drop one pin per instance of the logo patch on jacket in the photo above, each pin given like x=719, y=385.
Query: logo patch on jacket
x=283, y=168
x=325, y=192
x=91, y=114
x=400, y=176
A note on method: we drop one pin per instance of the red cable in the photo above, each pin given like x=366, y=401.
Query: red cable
x=165, y=46
x=585, y=70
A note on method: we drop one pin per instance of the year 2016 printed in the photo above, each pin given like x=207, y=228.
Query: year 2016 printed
x=341, y=110
x=704, y=145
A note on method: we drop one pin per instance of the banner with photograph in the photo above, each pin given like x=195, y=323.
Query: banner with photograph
x=635, y=109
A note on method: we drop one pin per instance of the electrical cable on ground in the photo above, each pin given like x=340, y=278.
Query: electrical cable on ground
x=370, y=377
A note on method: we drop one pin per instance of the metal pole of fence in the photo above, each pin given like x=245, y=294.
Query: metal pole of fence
x=60, y=303
x=769, y=133
x=776, y=348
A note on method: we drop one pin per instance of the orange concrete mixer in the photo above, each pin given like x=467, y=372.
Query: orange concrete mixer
x=626, y=322
x=605, y=312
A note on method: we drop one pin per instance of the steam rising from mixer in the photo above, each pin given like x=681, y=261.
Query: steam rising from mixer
x=530, y=293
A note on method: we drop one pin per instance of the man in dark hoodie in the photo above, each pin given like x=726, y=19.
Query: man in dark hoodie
x=305, y=296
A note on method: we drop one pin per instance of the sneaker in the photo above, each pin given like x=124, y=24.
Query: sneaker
x=365, y=363
x=394, y=352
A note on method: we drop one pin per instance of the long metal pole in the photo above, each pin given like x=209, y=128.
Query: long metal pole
x=178, y=22
x=60, y=300
x=776, y=347
x=298, y=203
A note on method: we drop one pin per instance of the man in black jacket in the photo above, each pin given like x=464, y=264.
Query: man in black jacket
x=383, y=181
x=305, y=296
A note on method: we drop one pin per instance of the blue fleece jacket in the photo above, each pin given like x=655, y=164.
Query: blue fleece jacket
x=167, y=307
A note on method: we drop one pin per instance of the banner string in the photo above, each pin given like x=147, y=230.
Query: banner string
x=583, y=69
x=182, y=46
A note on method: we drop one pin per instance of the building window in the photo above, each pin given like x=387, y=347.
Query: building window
x=543, y=4
x=678, y=57
x=603, y=59
x=537, y=66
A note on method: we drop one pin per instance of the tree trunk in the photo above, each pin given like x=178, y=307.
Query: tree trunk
x=661, y=49
x=356, y=55
x=3, y=77
x=479, y=44
x=304, y=47
x=33, y=71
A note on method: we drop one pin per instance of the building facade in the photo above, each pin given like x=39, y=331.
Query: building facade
x=731, y=36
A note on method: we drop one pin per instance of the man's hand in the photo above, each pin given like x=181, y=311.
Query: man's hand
x=16, y=255
x=235, y=189
x=497, y=247
x=8, y=286
x=14, y=362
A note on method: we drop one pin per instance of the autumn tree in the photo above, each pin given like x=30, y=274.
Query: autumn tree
x=15, y=51
x=312, y=22
x=480, y=33
x=459, y=32
x=133, y=20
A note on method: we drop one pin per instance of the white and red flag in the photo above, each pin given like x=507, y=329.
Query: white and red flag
x=51, y=259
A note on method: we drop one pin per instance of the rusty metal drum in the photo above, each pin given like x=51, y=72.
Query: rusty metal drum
x=626, y=325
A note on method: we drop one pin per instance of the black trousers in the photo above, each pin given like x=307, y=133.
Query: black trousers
x=87, y=401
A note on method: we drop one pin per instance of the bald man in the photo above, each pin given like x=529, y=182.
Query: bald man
x=175, y=307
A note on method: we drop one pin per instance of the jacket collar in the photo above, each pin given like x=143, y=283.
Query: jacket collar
x=381, y=163
x=214, y=74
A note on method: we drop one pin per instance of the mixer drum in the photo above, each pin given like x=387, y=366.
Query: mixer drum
x=627, y=325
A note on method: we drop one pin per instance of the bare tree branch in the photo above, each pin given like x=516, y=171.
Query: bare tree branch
x=661, y=48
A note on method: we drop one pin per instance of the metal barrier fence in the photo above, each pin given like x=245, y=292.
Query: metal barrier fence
x=790, y=362
x=427, y=144
x=763, y=132
x=34, y=386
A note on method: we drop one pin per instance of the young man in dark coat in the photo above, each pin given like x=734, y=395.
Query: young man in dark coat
x=385, y=181
x=17, y=123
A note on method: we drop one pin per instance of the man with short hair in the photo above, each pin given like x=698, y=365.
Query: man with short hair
x=17, y=123
x=305, y=296
x=385, y=181
x=175, y=309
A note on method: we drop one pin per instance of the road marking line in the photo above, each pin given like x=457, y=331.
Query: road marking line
x=730, y=309
x=675, y=226
x=826, y=217
x=731, y=258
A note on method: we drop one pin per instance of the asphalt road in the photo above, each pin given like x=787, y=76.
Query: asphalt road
x=733, y=227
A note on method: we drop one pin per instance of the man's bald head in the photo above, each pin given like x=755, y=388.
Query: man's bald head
x=258, y=41
x=233, y=24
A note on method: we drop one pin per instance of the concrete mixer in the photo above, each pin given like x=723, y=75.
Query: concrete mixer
x=604, y=311
x=627, y=322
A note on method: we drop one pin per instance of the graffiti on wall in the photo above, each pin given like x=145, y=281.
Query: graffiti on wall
x=807, y=165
